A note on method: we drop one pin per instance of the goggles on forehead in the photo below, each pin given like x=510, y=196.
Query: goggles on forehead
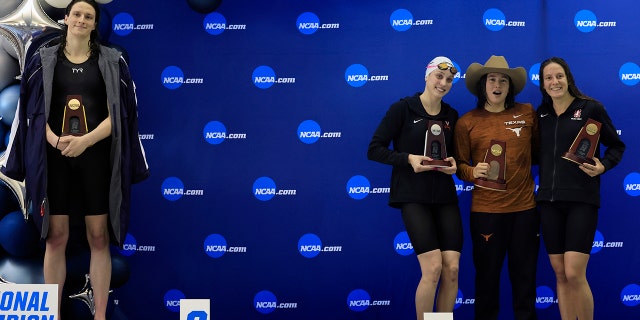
x=445, y=66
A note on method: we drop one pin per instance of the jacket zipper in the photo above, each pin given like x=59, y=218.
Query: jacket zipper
x=555, y=152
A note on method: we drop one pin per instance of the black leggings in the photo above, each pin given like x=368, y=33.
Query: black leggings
x=433, y=226
x=515, y=236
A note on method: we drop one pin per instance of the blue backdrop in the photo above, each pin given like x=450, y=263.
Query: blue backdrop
x=256, y=117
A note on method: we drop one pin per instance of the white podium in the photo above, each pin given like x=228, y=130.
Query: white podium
x=438, y=316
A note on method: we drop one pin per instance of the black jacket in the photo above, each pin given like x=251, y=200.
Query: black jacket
x=560, y=179
x=405, y=124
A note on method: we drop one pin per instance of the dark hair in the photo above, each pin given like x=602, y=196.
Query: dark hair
x=94, y=43
x=481, y=89
x=573, y=89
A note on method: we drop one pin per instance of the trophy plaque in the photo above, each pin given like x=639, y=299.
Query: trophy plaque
x=435, y=146
x=74, y=120
x=496, y=158
x=584, y=146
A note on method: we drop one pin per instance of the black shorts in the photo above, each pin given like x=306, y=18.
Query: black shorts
x=433, y=227
x=79, y=186
x=568, y=226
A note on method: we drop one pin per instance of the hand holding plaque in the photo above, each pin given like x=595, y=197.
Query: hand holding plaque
x=74, y=120
x=496, y=158
x=435, y=146
x=584, y=145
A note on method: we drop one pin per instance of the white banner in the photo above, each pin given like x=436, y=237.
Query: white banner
x=194, y=309
x=28, y=301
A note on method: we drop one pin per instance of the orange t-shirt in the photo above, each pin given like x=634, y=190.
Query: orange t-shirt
x=518, y=127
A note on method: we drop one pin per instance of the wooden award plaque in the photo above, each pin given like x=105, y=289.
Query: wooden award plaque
x=74, y=121
x=496, y=158
x=584, y=145
x=435, y=146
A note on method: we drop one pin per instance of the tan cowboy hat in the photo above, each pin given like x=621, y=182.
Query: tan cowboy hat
x=495, y=64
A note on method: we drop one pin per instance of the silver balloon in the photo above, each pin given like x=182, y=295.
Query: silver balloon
x=7, y=6
x=9, y=70
x=16, y=187
x=23, y=24
x=58, y=3
x=9, y=47
x=2, y=280
x=86, y=295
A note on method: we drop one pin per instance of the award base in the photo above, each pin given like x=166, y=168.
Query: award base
x=577, y=159
x=437, y=163
x=496, y=185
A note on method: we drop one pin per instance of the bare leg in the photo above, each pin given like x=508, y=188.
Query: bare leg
x=55, y=263
x=575, y=299
x=562, y=286
x=448, y=292
x=430, y=266
x=575, y=264
x=100, y=265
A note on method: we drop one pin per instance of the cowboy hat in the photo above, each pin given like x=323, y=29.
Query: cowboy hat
x=495, y=64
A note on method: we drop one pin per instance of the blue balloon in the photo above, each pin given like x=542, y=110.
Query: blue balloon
x=21, y=270
x=204, y=6
x=9, y=103
x=104, y=26
x=120, y=270
x=54, y=13
x=18, y=237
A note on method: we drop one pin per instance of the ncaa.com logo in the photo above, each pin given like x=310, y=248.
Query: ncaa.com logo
x=460, y=300
x=309, y=23
x=402, y=244
x=310, y=246
x=359, y=300
x=130, y=246
x=173, y=78
x=173, y=189
x=495, y=20
x=215, y=246
x=264, y=189
x=402, y=20
x=264, y=77
x=309, y=132
x=534, y=74
x=215, y=24
x=172, y=300
x=123, y=24
x=586, y=21
x=629, y=74
x=545, y=297
x=358, y=188
x=266, y=302
x=599, y=243
x=215, y=132
x=357, y=76
x=461, y=186
x=632, y=184
x=630, y=295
